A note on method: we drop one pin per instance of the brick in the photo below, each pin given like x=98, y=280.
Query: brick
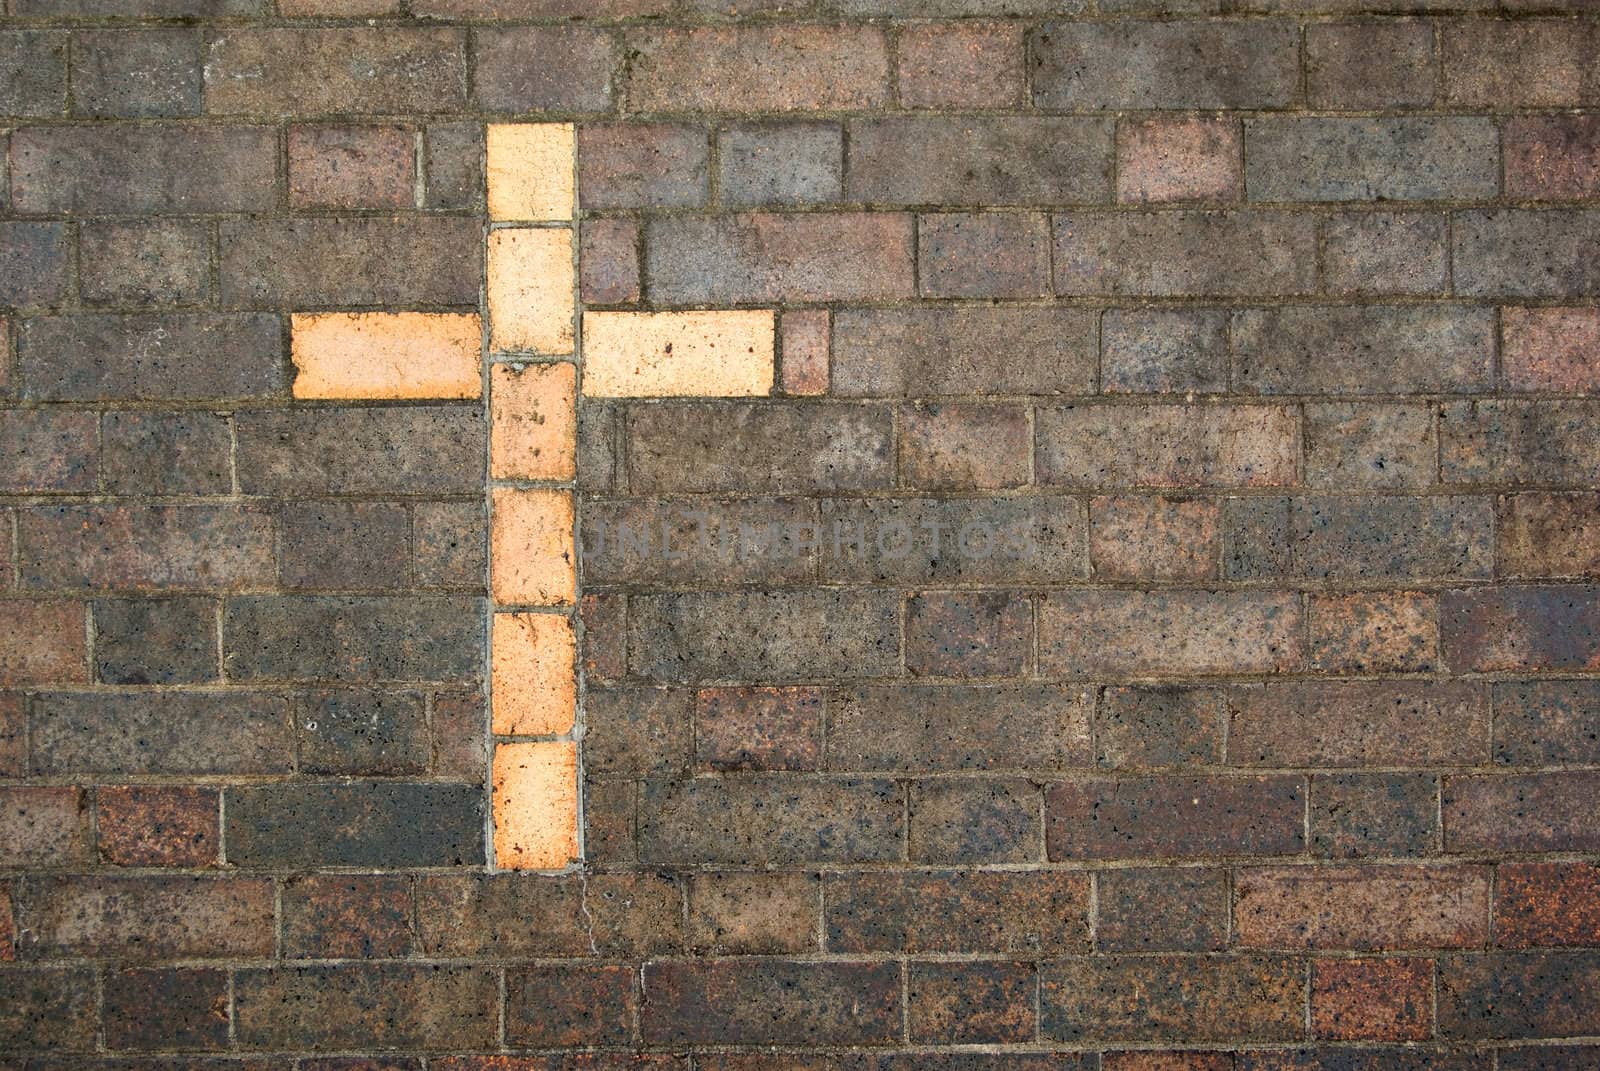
x=1163, y=351
x=531, y=547
x=304, y=71
x=533, y=9
x=352, y=638
x=1546, y=904
x=1374, y=908
x=337, y=8
x=1173, y=998
x=33, y=73
x=86, y=169
x=971, y=1003
x=1012, y=912
x=1180, y=817
x=1521, y=628
x=960, y=65
x=114, y=357
x=1179, y=160
x=1548, y=535
x=603, y=639
x=458, y=738
x=531, y=915
x=145, y=546
x=137, y=8
x=43, y=827
x=1378, y=632
x=699, y=543
x=1387, y=63
x=960, y=446
x=1516, y=64
x=345, y=1006
x=363, y=732
x=47, y=450
x=1188, y=252
x=1155, y=1060
x=958, y=822
x=1518, y=442
x=768, y=818
x=530, y=290
x=1385, y=253
x=991, y=254
x=154, y=262
x=608, y=261
x=1544, y=1057
x=1372, y=999
x=143, y=918
x=935, y=160
x=1159, y=725
x=157, y=825
x=1402, y=159
x=1256, y=541
x=770, y=1002
x=751, y=446
x=763, y=635
x=534, y=682
x=356, y=824
x=521, y=69
x=921, y=727
x=1355, y=815
x=13, y=738
x=43, y=642
x=1535, y=812
x=535, y=805
x=1170, y=632
x=48, y=1007
x=1517, y=995
x=754, y=913
x=352, y=167
x=1159, y=538
x=1435, y=536
x=347, y=916
x=1358, y=723
x=803, y=338
x=799, y=67
x=166, y=453
x=1526, y=253
x=1556, y=350
x=1546, y=723
x=571, y=1005
x=531, y=171
x=921, y=352
x=366, y=451
x=1167, y=446
x=35, y=258
x=632, y=165
x=636, y=730
x=1316, y=349
x=792, y=163
x=235, y=732
x=341, y=545
x=182, y=1008
x=453, y=165
x=958, y=634
x=1410, y=1058
x=386, y=355
x=1553, y=158
x=1377, y=445
x=654, y=354
x=1156, y=65
x=1165, y=910
x=765, y=257
x=758, y=728
x=608, y=834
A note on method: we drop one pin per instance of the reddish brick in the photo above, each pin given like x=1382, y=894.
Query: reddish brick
x=158, y=826
x=608, y=261
x=1553, y=158
x=1008, y=912
x=1179, y=160
x=1358, y=723
x=803, y=335
x=754, y=913
x=47, y=450
x=1378, y=908
x=183, y=1008
x=1170, y=632
x=960, y=65
x=42, y=826
x=1554, y=350
x=44, y=642
x=1172, y=998
x=971, y=1003
x=1372, y=999
x=1521, y=628
x=1149, y=1060
x=601, y=648
x=141, y=918
x=1189, y=817
x=458, y=740
x=961, y=634
x=1558, y=811
x=8, y=928
x=347, y=916
x=1381, y=632
x=568, y=1006
x=758, y=728
x=796, y=67
x=1547, y=904
x=352, y=167
x=1154, y=538
x=631, y=165
x=1167, y=446
x=1548, y=535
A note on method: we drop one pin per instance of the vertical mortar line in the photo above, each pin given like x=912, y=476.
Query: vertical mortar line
x=419, y=169
x=578, y=721
x=491, y=863
x=233, y=1011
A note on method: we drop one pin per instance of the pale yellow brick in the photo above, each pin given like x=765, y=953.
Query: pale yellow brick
x=533, y=674
x=531, y=301
x=386, y=355
x=530, y=171
x=535, y=805
x=533, y=426
x=722, y=353
x=531, y=548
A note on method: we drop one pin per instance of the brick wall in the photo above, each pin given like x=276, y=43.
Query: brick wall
x=1151, y=622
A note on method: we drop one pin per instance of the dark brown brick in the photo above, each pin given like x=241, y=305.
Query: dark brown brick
x=754, y=913
x=33, y=73
x=1547, y=904
x=1166, y=910
x=235, y=732
x=723, y=543
x=979, y=161
x=347, y=916
x=1545, y=1057
x=155, y=641
x=1389, y=1058
x=1380, y=814
x=166, y=453
x=960, y=65
x=1518, y=994
x=1169, y=65
x=1372, y=999
x=373, y=823
x=1358, y=723
x=342, y=545
x=459, y=747
x=1326, y=158
x=1012, y=911
x=502, y=914
x=765, y=257
x=352, y=166
x=1526, y=253
x=957, y=634
x=1169, y=725
x=603, y=644
x=48, y=1008
x=453, y=165
x=304, y=71
x=1385, y=253
x=35, y=261
x=1177, y=253
x=1371, y=64
x=1535, y=812
x=363, y=732
x=1168, y=998
x=1523, y=63
x=43, y=826
x=771, y=819
x=13, y=734
x=1519, y=442
x=1553, y=158
x=1521, y=628
x=1378, y=445
x=137, y=74
x=636, y=730
x=148, y=262
x=1170, y=632
x=631, y=165
x=140, y=825
x=1163, y=351
x=87, y=169
x=1547, y=723
x=1167, y=446
x=47, y=450
x=519, y=69
x=145, y=547
x=923, y=352
x=758, y=728
x=1548, y=535
x=608, y=820
x=608, y=262
x=182, y=1008
x=1316, y=349
x=140, y=918
x=1190, y=817
x=921, y=727
x=43, y=642
x=389, y=1005
x=957, y=822
x=567, y=1006
x=1397, y=537
x=960, y=446
x=971, y=1003
x=384, y=451
x=449, y=544
x=770, y=1002
x=1154, y=538
x=797, y=67
x=983, y=255
x=369, y=261
x=145, y=356
x=1377, y=908
x=794, y=163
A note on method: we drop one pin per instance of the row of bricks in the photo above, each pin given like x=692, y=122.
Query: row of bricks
x=803, y=66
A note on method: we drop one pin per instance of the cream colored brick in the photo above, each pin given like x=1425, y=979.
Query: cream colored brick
x=386, y=355
x=531, y=548
x=533, y=426
x=531, y=303
x=533, y=674
x=724, y=353
x=530, y=171
x=535, y=805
